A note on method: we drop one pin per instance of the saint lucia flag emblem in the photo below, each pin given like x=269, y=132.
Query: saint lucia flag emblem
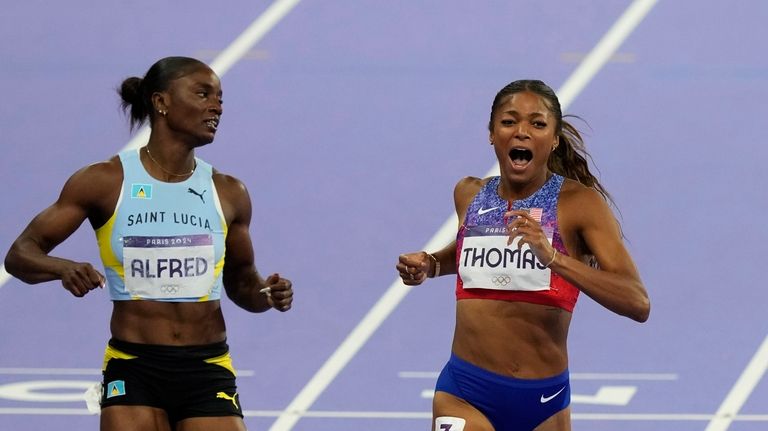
x=141, y=191
x=115, y=388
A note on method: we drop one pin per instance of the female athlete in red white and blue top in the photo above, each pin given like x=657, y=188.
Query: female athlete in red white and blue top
x=489, y=268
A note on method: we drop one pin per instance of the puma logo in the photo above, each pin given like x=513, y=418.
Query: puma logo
x=227, y=397
x=194, y=192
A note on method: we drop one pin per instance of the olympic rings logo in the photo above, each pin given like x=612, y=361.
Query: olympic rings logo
x=170, y=289
x=501, y=280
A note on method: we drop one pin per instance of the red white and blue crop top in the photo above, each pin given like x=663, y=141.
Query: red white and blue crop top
x=488, y=268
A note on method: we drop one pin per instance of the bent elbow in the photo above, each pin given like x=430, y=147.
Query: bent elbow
x=10, y=264
x=14, y=265
x=642, y=310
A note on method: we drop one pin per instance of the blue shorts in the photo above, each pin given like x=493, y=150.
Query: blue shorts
x=510, y=404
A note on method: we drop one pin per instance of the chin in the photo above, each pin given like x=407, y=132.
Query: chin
x=203, y=142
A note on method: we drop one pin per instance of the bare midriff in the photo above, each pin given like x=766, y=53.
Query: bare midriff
x=168, y=323
x=514, y=339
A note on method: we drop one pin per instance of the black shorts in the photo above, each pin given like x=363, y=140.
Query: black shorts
x=186, y=382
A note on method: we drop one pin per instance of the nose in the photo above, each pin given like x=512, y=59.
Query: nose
x=522, y=131
x=217, y=107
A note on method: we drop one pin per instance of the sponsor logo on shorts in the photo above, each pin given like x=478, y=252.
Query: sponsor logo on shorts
x=549, y=398
x=227, y=397
x=115, y=388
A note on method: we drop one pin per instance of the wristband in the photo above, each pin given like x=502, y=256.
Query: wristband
x=437, y=265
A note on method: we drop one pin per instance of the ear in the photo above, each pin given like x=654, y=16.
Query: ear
x=159, y=101
x=556, y=143
x=490, y=137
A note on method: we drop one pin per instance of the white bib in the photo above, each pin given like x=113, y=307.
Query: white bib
x=487, y=262
x=168, y=267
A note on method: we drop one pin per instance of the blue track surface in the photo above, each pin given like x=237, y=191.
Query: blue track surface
x=350, y=122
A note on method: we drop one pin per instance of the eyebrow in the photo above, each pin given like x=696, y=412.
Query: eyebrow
x=207, y=86
x=533, y=114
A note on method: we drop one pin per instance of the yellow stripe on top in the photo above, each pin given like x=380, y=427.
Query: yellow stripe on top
x=104, y=241
x=220, y=263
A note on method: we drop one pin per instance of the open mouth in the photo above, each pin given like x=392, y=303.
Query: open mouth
x=520, y=157
x=212, y=124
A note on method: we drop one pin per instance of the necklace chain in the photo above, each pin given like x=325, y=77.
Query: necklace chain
x=166, y=171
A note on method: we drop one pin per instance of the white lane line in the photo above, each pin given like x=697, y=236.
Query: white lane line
x=43, y=411
x=594, y=61
x=659, y=417
x=235, y=51
x=78, y=372
x=573, y=376
x=741, y=390
x=604, y=50
x=221, y=64
x=4, y=276
x=624, y=376
x=617, y=417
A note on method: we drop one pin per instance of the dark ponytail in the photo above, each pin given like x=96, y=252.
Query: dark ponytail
x=132, y=101
x=569, y=159
x=136, y=93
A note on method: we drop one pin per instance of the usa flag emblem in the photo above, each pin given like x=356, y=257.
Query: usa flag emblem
x=535, y=213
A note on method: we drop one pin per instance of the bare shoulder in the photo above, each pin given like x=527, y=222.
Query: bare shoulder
x=107, y=170
x=229, y=185
x=468, y=187
x=580, y=206
x=464, y=192
x=234, y=197
x=95, y=181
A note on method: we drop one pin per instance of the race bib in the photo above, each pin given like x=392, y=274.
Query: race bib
x=168, y=267
x=487, y=262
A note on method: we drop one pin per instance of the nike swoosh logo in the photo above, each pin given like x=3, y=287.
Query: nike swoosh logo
x=548, y=399
x=482, y=211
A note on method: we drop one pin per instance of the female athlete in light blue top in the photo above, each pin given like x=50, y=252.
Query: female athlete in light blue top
x=165, y=241
x=523, y=252
x=172, y=231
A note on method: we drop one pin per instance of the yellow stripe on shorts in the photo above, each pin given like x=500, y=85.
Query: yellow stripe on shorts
x=112, y=353
x=225, y=361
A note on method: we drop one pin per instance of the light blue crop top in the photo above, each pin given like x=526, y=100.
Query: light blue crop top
x=164, y=241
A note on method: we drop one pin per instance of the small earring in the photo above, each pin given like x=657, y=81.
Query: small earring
x=163, y=113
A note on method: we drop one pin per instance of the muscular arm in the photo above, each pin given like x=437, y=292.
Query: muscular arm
x=463, y=193
x=616, y=285
x=85, y=195
x=420, y=263
x=242, y=281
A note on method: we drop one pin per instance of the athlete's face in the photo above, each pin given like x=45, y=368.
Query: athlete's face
x=523, y=136
x=194, y=106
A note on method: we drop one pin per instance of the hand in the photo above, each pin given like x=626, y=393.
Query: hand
x=80, y=278
x=279, y=292
x=530, y=232
x=414, y=267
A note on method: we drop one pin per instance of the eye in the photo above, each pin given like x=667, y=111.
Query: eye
x=507, y=122
x=202, y=94
x=539, y=124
